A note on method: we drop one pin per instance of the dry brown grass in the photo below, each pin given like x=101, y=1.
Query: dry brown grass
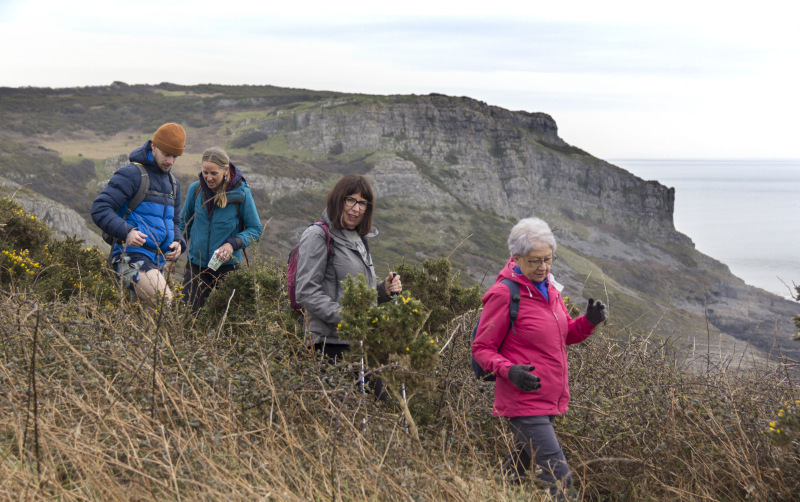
x=110, y=405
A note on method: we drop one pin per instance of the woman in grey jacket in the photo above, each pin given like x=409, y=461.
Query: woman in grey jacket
x=348, y=215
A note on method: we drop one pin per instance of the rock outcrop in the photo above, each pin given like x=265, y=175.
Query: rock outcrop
x=63, y=221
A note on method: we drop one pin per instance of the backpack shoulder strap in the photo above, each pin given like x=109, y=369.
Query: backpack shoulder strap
x=174, y=182
x=328, y=237
x=513, y=306
x=238, y=204
x=141, y=193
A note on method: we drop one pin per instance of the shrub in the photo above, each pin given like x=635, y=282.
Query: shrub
x=32, y=259
x=253, y=294
x=70, y=270
x=440, y=293
x=20, y=230
x=785, y=429
x=391, y=332
x=23, y=240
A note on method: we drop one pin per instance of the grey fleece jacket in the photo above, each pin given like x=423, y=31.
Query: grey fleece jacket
x=319, y=279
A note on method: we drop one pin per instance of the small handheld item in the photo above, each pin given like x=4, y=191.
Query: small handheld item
x=215, y=262
x=395, y=295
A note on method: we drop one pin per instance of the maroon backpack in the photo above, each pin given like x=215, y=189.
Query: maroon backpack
x=291, y=269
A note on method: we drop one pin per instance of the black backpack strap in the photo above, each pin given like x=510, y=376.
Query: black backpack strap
x=141, y=193
x=513, y=306
x=174, y=184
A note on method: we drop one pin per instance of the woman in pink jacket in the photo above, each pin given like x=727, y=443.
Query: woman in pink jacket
x=536, y=341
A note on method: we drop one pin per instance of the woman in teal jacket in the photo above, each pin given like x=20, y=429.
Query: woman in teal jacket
x=220, y=216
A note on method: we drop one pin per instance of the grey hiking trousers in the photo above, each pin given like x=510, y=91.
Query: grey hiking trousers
x=535, y=438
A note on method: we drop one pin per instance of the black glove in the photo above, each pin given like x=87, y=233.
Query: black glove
x=524, y=381
x=595, y=312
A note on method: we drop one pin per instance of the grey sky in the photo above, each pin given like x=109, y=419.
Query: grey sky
x=621, y=78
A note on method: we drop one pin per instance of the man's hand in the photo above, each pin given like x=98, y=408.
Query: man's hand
x=135, y=238
x=175, y=251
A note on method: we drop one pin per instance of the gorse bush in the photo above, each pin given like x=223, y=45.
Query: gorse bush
x=34, y=261
x=73, y=270
x=18, y=266
x=434, y=284
x=784, y=430
x=256, y=293
x=391, y=332
x=21, y=231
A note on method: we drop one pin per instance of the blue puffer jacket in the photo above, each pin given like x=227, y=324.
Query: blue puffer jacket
x=157, y=215
x=208, y=226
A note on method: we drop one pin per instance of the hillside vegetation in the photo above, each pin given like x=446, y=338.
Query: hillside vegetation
x=101, y=400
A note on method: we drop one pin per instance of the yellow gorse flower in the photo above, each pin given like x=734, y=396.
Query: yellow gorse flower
x=22, y=260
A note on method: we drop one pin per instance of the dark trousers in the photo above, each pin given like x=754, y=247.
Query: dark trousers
x=535, y=438
x=198, y=283
x=335, y=353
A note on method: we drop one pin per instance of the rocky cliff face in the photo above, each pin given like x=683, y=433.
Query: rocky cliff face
x=511, y=163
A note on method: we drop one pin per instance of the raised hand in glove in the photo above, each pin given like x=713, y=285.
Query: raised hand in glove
x=595, y=312
x=519, y=376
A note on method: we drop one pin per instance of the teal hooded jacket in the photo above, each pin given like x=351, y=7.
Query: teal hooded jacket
x=207, y=226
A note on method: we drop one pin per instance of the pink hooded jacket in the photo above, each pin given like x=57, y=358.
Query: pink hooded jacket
x=540, y=337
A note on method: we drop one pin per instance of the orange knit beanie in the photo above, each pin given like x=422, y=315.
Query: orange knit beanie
x=170, y=139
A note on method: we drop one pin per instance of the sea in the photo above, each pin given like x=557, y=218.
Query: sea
x=744, y=213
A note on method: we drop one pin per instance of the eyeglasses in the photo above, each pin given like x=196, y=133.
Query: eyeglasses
x=542, y=261
x=349, y=202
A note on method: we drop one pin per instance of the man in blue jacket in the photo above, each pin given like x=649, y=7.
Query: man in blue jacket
x=146, y=237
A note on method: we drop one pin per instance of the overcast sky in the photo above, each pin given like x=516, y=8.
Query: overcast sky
x=623, y=79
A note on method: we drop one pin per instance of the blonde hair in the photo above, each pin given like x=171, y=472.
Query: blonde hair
x=217, y=155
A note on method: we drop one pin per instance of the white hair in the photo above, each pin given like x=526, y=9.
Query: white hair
x=528, y=234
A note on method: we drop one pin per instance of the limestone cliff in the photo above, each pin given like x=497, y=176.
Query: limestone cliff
x=512, y=163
